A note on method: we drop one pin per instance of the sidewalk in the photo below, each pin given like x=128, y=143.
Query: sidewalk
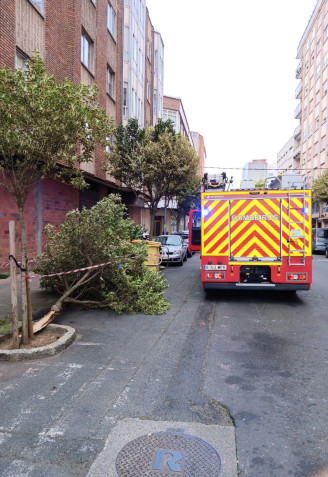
x=41, y=302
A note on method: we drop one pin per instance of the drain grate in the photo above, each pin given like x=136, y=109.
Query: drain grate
x=166, y=454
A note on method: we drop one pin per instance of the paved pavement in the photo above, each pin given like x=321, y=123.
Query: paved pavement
x=127, y=379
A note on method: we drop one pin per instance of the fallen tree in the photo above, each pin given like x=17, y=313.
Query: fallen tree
x=89, y=238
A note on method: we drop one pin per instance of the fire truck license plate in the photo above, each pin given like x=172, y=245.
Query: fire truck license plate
x=215, y=267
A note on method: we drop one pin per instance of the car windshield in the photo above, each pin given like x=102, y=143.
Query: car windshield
x=169, y=240
x=322, y=233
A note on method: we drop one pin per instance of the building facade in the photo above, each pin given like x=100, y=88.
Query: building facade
x=100, y=42
x=256, y=170
x=285, y=157
x=173, y=109
x=311, y=134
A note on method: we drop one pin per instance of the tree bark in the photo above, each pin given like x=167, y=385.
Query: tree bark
x=13, y=280
x=27, y=325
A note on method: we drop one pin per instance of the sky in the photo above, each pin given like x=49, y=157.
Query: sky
x=233, y=64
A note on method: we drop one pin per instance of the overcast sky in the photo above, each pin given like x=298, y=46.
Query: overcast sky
x=233, y=65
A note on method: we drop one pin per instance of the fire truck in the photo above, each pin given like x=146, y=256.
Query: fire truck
x=255, y=238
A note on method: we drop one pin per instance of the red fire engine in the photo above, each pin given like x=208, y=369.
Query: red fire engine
x=254, y=238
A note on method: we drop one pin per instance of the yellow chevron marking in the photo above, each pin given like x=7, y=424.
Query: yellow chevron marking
x=216, y=226
x=249, y=232
x=219, y=248
x=216, y=214
x=216, y=238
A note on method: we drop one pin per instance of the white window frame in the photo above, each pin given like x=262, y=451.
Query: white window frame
x=111, y=20
x=86, y=50
x=110, y=82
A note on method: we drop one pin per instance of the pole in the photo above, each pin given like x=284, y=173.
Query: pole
x=13, y=285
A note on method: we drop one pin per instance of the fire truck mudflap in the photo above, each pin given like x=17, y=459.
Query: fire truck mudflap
x=256, y=240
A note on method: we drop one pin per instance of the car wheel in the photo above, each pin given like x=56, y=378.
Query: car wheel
x=326, y=252
x=185, y=258
x=180, y=263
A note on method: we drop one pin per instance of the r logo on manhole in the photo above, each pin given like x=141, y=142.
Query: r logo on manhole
x=166, y=454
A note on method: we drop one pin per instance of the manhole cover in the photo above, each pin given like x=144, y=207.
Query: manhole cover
x=166, y=454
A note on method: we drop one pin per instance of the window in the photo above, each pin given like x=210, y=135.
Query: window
x=135, y=49
x=316, y=122
x=318, y=71
x=86, y=50
x=324, y=87
x=155, y=102
x=323, y=143
x=317, y=98
x=110, y=83
x=148, y=91
x=111, y=20
x=318, y=47
x=38, y=4
x=309, y=154
x=311, y=106
x=310, y=129
x=149, y=50
x=324, y=116
x=125, y=100
x=325, y=60
x=21, y=60
x=126, y=44
x=316, y=148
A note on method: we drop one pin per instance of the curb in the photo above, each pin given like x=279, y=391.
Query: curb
x=43, y=351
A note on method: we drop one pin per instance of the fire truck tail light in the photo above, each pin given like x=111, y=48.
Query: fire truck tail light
x=215, y=276
x=296, y=276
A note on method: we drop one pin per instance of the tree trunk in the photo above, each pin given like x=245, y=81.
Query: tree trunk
x=27, y=325
x=152, y=212
x=13, y=280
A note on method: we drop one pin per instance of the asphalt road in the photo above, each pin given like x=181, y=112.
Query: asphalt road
x=268, y=365
x=258, y=360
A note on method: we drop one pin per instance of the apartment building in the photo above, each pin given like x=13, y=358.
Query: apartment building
x=173, y=109
x=200, y=149
x=285, y=157
x=311, y=133
x=256, y=170
x=100, y=42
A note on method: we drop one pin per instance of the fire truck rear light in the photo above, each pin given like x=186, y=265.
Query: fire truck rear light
x=296, y=276
x=215, y=276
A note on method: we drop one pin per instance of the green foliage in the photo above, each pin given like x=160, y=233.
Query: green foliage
x=188, y=195
x=320, y=188
x=259, y=184
x=153, y=162
x=98, y=235
x=42, y=123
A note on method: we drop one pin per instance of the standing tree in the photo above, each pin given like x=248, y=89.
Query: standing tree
x=188, y=198
x=46, y=130
x=320, y=188
x=153, y=162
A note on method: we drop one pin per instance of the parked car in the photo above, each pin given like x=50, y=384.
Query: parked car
x=185, y=236
x=326, y=251
x=319, y=239
x=173, y=250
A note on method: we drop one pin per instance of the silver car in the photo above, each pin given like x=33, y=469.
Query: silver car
x=173, y=250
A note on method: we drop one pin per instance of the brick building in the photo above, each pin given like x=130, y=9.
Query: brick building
x=82, y=40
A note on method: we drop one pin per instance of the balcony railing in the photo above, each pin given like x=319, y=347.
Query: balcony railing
x=297, y=132
x=298, y=111
x=298, y=91
x=299, y=70
x=297, y=152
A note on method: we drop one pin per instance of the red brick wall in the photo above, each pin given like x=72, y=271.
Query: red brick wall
x=57, y=199
x=7, y=34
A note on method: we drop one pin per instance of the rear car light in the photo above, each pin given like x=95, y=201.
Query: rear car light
x=296, y=276
x=215, y=276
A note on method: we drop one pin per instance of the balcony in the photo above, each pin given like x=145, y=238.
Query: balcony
x=297, y=132
x=298, y=111
x=298, y=91
x=297, y=153
x=299, y=70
